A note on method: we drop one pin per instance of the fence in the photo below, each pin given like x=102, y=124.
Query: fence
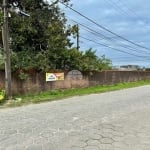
x=36, y=81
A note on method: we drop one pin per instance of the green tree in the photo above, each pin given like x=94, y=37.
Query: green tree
x=73, y=59
x=44, y=34
x=104, y=63
x=42, y=41
x=85, y=61
x=91, y=62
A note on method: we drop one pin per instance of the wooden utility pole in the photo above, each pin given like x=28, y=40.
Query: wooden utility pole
x=78, y=37
x=7, y=51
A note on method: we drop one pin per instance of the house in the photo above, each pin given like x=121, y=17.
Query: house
x=129, y=67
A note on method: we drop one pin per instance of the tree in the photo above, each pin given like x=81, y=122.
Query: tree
x=44, y=34
x=73, y=59
x=104, y=63
x=91, y=62
x=42, y=41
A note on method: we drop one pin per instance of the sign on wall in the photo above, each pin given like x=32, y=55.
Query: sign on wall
x=54, y=76
x=74, y=74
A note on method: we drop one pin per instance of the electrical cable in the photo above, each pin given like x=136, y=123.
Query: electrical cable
x=109, y=38
x=104, y=28
x=117, y=8
x=125, y=6
x=105, y=45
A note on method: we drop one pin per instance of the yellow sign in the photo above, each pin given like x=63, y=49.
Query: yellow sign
x=54, y=76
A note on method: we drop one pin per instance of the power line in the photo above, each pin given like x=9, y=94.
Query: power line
x=105, y=45
x=108, y=38
x=92, y=31
x=104, y=28
x=125, y=6
x=128, y=58
x=116, y=7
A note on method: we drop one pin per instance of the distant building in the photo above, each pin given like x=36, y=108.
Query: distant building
x=128, y=68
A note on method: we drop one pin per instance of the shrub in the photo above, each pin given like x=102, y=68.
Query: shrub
x=2, y=95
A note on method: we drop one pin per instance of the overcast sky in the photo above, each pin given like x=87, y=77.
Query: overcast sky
x=127, y=18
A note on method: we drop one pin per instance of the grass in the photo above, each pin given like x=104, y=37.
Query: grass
x=61, y=94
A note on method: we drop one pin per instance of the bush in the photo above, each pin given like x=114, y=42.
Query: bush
x=2, y=95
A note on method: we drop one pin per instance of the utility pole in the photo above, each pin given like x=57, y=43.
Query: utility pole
x=78, y=37
x=7, y=51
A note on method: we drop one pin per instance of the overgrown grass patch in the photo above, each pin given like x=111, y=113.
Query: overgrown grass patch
x=20, y=100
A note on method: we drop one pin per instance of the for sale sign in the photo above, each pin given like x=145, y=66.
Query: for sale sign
x=54, y=76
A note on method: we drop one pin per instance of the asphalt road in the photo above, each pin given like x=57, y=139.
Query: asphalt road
x=117, y=120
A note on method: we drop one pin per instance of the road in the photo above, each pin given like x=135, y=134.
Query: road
x=118, y=120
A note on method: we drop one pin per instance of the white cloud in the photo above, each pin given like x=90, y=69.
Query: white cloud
x=133, y=22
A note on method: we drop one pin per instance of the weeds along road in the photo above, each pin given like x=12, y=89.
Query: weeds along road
x=117, y=120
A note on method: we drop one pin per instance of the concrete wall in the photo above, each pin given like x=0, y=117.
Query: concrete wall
x=36, y=81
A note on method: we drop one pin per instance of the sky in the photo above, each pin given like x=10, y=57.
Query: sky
x=128, y=19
